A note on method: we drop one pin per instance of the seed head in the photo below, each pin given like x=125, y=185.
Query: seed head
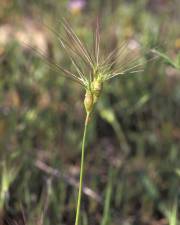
x=91, y=67
x=122, y=60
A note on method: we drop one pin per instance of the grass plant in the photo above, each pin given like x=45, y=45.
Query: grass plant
x=92, y=69
x=133, y=127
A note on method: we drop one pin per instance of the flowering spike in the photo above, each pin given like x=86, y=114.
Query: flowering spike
x=91, y=70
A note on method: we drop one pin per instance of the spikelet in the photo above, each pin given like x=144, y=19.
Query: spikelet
x=88, y=101
x=97, y=86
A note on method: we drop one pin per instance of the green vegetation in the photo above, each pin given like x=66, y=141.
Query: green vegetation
x=132, y=157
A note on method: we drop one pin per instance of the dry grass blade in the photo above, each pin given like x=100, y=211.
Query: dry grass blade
x=68, y=179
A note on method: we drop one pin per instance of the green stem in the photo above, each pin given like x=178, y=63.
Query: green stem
x=81, y=170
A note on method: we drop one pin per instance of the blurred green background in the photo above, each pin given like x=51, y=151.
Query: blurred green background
x=132, y=171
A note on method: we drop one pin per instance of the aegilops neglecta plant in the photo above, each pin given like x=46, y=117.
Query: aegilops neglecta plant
x=92, y=69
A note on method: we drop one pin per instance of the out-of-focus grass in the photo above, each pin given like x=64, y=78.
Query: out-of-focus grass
x=136, y=130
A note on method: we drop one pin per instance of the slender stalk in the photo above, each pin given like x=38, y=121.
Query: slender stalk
x=81, y=170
